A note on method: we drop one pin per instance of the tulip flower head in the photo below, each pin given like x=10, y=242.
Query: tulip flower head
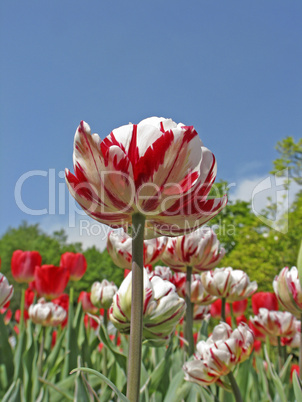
x=218, y=355
x=119, y=246
x=266, y=300
x=76, y=263
x=201, y=313
x=157, y=168
x=200, y=250
x=47, y=313
x=87, y=305
x=162, y=309
x=288, y=290
x=275, y=323
x=50, y=281
x=198, y=293
x=102, y=293
x=23, y=265
x=233, y=285
x=6, y=290
x=164, y=272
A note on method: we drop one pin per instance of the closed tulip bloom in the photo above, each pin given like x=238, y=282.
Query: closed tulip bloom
x=119, y=246
x=201, y=313
x=162, y=309
x=6, y=290
x=157, y=168
x=102, y=293
x=87, y=305
x=233, y=285
x=198, y=293
x=50, y=281
x=164, y=272
x=218, y=355
x=200, y=250
x=23, y=265
x=76, y=263
x=47, y=313
x=288, y=290
x=266, y=300
x=239, y=307
x=275, y=323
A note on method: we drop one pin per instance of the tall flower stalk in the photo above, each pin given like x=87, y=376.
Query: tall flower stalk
x=136, y=323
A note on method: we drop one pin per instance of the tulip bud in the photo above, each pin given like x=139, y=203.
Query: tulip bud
x=102, y=293
x=47, y=314
x=162, y=308
x=50, y=281
x=266, y=300
x=76, y=263
x=23, y=265
x=88, y=307
x=200, y=250
x=233, y=285
x=6, y=290
x=275, y=323
x=288, y=290
x=218, y=355
x=198, y=293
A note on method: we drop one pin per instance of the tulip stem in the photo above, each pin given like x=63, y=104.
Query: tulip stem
x=41, y=351
x=300, y=352
x=232, y=316
x=223, y=309
x=67, y=365
x=279, y=353
x=105, y=348
x=21, y=324
x=235, y=388
x=188, y=330
x=136, y=322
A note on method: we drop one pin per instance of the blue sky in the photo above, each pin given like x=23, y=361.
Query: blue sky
x=232, y=69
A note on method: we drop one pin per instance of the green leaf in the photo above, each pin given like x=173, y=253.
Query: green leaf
x=299, y=264
x=174, y=386
x=119, y=357
x=19, y=354
x=54, y=354
x=121, y=396
x=6, y=354
x=276, y=380
x=14, y=392
x=57, y=388
x=80, y=392
x=297, y=387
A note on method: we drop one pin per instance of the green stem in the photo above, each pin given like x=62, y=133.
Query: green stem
x=223, y=309
x=67, y=366
x=188, y=330
x=21, y=324
x=232, y=316
x=235, y=388
x=279, y=353
x=41, y=351
x=136, y=323
x=105, y=347
x=300, y=352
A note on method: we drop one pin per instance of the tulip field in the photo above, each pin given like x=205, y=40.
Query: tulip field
x=181, y=326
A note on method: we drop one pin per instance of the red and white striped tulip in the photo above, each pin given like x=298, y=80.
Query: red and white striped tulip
x=218, y=355
x=200, y=250
x=164, y=272
x=157, y=168
x=275, y=323
x=102, y=293
x=47, y=313
x=288, y=290
x=119, y=246
x=198, y=293
x=162, y=308
x=201, y=313
x=6, y=290
x=227, y=283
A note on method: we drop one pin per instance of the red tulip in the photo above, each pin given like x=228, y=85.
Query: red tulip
x=294, y=367
x=29, y=298
x=266, y=300
x=239, y=319
x=18, y=315
x=53, y=338
x=216, y=309
x=7, y=315
x=156, y=167
x=239, y=307
x=23, y=265
x=87, y=306
x=76, y=263
x=89, y=321
x=50, y=281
